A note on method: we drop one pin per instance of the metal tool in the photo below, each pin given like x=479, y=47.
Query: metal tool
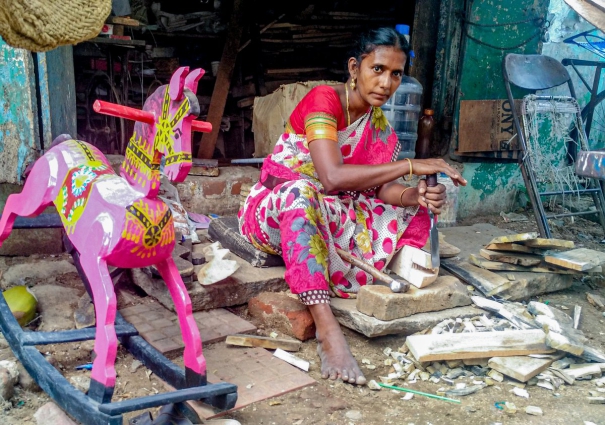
x=431, y=181
x=394, y=284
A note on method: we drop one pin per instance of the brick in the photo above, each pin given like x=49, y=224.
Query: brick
x=281, y=312
x=236, y=187
x=169, y=347
x=214, y=187
x=379, y=301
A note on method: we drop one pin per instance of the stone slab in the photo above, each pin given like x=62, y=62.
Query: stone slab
x=347, y=315
x=257, y=374
x=379, y=301
x=246, y=283
x=470, y=240
x=159, y=326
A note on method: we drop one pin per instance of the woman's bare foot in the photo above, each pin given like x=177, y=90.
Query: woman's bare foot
x=336, y=358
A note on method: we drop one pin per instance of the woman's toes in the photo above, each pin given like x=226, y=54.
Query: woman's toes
x=333, y=374
x=345, y=375
x=361, y=380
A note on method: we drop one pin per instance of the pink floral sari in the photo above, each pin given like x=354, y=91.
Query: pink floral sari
x=289, y=213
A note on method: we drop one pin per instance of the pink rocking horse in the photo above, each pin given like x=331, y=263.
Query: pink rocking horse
x=119, y=221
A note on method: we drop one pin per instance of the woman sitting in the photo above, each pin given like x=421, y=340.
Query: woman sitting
x=331, y=183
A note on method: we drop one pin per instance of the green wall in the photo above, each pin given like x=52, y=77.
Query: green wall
x=493, y=187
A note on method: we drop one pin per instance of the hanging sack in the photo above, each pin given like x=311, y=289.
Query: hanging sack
x=41, y=25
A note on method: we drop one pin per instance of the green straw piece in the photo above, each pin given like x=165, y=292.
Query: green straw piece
x=407, y=390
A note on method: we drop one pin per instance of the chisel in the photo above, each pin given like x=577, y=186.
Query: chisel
x=431, y=181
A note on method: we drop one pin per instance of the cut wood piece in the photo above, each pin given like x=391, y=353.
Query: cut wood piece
x=543, y=243
x=577, y=313
x=578, y=372
x=262, y=341
x=518, y=259
x=446, y=250
x=515, y=238
x=204, y=167
x=570, y=345
x=596, y=300
x=507, y=267
x=414, y=265
x=292, y=359
x=505, y=310
x=521, y=368
x=512, y=247
x=580, y=259
x=122, y=20
x=477, y=344
x=485, y=281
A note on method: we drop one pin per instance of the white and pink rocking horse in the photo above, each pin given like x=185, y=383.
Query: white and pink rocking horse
x=119, y=221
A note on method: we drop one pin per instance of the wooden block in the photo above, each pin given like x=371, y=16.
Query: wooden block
x=264, y=342
x=584, y=370
x=518, y=259
x=245, y=102
x=513, y=247
x=580, y=259
x=521, y=368
x=549, y=243
x=414, y=265
x=507, y=267
x=477, y=345
x=515, y=238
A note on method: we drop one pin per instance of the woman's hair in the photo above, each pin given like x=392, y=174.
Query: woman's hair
x=385, y=36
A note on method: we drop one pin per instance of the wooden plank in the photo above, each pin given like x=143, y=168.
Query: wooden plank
x=223, y=80
x=263, y=341
x=543, y=243
x=521, y=368
x=519, y=237
x=477, y=344
x=102, y=40
x=204, y=167
x=513, y=247
x=506, y=267
x=485, y=281
x=596, y=300
x=518, y=259
x=580, y=259
x=121, y=20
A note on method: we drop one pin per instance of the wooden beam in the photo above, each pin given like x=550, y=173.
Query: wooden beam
x=223, y=80
x=477, y=344
x=580, y=259
x=549, y=243
x=507, y=267
x=487, y=282
x=515, y=238
x=509, y=246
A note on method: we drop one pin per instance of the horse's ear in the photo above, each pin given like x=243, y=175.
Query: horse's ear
x=177, y=83
x=192, y=79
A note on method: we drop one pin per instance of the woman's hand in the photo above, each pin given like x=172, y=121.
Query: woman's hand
x=432, y=198
x=423, y=167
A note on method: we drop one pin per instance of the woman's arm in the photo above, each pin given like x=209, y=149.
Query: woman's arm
x=336, y=176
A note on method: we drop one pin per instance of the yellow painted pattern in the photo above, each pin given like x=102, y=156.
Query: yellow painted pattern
x=148, y=227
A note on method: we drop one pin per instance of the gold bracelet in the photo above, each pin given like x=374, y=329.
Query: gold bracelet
x=401, y=196
x=410, y=175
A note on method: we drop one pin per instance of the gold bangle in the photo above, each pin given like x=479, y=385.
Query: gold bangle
x=410, y=175
x=401, y=196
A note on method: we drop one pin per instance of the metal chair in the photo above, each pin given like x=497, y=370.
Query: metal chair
x=539, y=72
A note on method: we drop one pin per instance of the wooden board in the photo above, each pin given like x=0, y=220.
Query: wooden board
x=518, y=259
x=580, y=259
x=521, y=368
x=204, y=167
x=121, y=20
x=549, y=243
x=509, y=246
x=487, y=126
x=477, y=344
x=507, y=267
x=263, y=341
x=519, y=237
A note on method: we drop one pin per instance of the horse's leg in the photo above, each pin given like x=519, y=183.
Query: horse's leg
x=195, y=363
x=32, y=200
x=103, y=376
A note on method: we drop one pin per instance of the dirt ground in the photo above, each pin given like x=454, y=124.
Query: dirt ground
x=333, y=402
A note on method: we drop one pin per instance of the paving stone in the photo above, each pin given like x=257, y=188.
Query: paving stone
x=35, y=272
x=379, y=301
x=51, y=414
x=278, y=311
x=56, y=305
x=256, y=372
x=159, y=326
x=471, y=238
x=347, y=315
x=246, y=283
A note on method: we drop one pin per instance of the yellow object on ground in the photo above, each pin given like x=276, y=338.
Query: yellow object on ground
x=22, y=303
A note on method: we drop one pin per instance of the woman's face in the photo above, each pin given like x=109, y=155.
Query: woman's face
x=379, y=74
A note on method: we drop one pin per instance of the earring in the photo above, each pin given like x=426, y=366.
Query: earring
x=353, y=85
